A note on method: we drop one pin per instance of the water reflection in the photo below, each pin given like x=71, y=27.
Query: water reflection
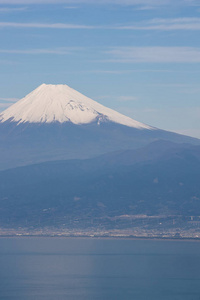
x=89, y=269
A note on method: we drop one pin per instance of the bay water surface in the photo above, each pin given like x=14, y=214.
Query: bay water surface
x=103, y=269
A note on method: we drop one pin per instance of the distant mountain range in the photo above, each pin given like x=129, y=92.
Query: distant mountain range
x=65, y=158
x=120, y=183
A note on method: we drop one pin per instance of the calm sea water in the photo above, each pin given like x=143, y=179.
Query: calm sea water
x=89, y=269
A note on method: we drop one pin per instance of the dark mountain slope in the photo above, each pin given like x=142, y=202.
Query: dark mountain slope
x=56, y=192
x=27, y=143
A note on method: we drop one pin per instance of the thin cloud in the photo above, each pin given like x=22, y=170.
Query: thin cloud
x=44, y=25
x=146, y=7
x=98, y=2
x=127, y=98
x=174, y=85
x=11, y=100
x=153, y=24
x=6, y=102
x=125, y=55
x=190, y=91
x=57, y=51
x=4, y=106
x=109, y=71
x=155, y=3
x=7, y=62
x=119, y=72
x=164, y=24
x=118, y=98
x=154, y=55
x=71, y=7
x=12, y=9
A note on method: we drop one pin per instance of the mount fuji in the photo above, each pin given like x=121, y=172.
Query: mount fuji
x=55, y=122
x=60, y=103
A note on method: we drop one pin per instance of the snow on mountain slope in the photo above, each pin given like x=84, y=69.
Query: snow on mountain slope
x=60, y=103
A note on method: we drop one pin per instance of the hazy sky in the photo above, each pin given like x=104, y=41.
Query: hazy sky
x=140, y=57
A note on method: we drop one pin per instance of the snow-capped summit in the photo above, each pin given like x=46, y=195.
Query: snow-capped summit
x=59, y=103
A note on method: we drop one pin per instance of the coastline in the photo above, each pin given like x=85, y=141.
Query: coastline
x=156, y=238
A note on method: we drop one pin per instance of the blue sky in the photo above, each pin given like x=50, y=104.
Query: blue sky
x=140, y=57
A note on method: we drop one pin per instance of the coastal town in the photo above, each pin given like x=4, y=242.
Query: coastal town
x=140, y=226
